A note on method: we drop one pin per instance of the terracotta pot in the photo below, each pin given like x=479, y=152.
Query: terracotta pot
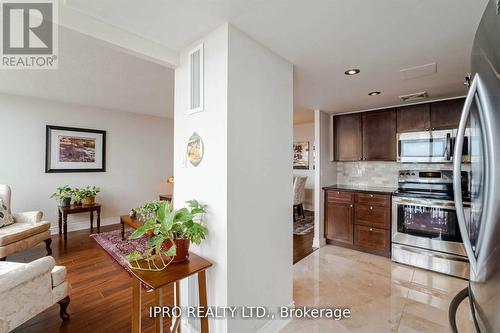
x=182, y=247
x=88, y=200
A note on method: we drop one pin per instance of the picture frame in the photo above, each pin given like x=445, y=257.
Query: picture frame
x=72, y=149
x=195, y=149
x=301, y=155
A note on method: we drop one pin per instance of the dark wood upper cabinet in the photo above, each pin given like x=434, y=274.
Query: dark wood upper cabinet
x=414, y=118
x=339, y=222
x=347, y=137
x=446, y=114
x=379, y=135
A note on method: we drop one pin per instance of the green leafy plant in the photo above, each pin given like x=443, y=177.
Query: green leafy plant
x=77, y=195
x=62, y=193
x=148, y=210
x=166, y=225
x=89, y=191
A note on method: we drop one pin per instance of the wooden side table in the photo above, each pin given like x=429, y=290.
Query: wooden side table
x=166, y=197
x=65, y=211
x=170, y=275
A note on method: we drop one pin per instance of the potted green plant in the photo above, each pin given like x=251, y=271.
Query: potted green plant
x=88, y=194
x=172, y=231
x=77, y=196
x=63, y=195
x=148, y=210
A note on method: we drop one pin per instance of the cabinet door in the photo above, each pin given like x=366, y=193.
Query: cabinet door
x=372, y=239
x=339, y=222
x=414, y=118
x=379, y=135
x=446, y=114
x=347, y=137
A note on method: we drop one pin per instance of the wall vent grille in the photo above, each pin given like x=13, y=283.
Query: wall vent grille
x=414, y=97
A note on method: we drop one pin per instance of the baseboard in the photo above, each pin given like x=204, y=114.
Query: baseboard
x=319, y=242
x=276, y=324
x=85, y=224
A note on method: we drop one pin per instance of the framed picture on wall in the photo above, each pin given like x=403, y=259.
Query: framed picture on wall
x=70, y=149
x=301, y=155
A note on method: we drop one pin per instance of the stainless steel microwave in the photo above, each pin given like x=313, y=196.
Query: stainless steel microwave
x=430, y=147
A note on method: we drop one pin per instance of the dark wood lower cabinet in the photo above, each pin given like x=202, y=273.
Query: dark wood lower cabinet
x=339, y=226
x=360, y=221
x=372, y=239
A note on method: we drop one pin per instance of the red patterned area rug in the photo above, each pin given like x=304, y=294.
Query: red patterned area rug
x=117, y=248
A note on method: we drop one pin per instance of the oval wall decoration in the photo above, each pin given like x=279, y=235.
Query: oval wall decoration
x=195, y=149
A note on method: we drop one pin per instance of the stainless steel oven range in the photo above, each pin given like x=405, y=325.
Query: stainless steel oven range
x=425, y=231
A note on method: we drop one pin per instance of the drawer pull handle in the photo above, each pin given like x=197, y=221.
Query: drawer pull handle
x=350, y=206
x=338, y=192
x=371, y=195
x=371, y=229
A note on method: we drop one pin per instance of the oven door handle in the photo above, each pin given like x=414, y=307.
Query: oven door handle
x=448, y=146
x=457, y=175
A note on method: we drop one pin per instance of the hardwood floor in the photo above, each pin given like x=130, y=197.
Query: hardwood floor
x=101, y=292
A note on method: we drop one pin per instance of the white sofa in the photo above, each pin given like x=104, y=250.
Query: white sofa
x=26, y=289
x=27, y=231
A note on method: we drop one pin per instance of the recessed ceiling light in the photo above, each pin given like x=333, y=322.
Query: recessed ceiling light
x=352, y=71
x=374, y=93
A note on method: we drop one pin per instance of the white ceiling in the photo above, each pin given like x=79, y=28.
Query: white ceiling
x=323, y=38
x=95, y=73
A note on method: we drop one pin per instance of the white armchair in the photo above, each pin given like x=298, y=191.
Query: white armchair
x=27, y=231
x=26, y=289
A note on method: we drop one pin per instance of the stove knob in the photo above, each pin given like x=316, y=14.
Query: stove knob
x=413, y=173
x=407, y=173
x=402, y=174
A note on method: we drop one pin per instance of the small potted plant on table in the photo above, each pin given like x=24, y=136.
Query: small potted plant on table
x=88, y=194
x=77, y=196
x=172, y=232
x=63, y=195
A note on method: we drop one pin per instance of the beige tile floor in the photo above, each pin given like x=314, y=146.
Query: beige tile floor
x=383, y=296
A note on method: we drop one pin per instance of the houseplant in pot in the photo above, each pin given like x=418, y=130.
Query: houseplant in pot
x=172, y=231
x=88, y=194
x=63, y=195
x=77, y=196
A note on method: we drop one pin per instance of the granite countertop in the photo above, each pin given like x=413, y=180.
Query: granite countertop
x=359, y=188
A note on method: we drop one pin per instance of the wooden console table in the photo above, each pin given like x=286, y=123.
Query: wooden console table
x=65, y=211
x=169, y=276
x=166, y=197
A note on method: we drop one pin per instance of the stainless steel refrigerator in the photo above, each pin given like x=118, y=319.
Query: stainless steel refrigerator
x=480, y=227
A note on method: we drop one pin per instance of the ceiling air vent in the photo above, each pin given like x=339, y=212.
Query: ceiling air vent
x=414, y=97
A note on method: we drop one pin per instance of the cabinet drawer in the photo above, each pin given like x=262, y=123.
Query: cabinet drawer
x=372, y=216
x=339, y=196
x=373, y=199
x=371, y=239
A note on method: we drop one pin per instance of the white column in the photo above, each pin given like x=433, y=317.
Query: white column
x=245, y=177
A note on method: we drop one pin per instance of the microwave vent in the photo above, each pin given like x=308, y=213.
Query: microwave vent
x=414, y=97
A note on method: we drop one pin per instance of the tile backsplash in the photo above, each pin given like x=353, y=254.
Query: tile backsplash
x=379, y=173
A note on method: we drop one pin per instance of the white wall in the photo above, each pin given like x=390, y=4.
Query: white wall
x=138, y=157
x=245, y=178
x=327, y=174
x=207, y=182
x=260, y=138
x=305, y=132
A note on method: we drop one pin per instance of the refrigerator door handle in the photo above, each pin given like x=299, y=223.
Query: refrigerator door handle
x=457, y=179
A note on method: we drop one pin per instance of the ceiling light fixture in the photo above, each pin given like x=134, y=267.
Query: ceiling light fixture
x=352, y=71
x=374, y=93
